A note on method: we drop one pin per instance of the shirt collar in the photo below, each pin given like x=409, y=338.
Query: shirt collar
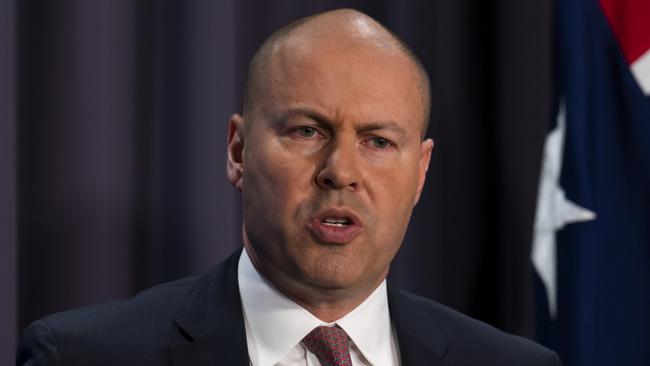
x=277, y=324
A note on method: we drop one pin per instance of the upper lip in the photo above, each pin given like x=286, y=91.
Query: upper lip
x=339, y=213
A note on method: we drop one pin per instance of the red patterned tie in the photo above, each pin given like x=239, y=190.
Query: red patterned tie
x=330, y=345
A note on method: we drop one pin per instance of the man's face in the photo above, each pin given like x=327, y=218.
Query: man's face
x=332, y=163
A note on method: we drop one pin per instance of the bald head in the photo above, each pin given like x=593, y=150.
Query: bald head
x=344, y=28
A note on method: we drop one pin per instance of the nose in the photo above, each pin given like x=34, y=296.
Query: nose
x=339, y=170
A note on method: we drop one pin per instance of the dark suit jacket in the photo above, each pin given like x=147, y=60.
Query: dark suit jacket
x=198, y=321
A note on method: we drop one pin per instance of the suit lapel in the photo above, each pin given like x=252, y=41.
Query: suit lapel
x=212, y=321
x=223, y=347
x=421, y=342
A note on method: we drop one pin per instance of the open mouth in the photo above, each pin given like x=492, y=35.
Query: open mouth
x=336, y=222
x=336, y=226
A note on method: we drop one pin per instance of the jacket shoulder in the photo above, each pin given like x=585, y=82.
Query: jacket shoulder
x=468, y=341
x=138, y=327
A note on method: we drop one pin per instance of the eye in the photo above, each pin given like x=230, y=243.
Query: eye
x=306, y=131
x=380, y=142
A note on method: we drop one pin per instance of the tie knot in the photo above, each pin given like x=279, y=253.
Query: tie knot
x=330, y=345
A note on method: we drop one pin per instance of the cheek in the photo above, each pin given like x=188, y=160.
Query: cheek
x=271, y=193
x=394, y=182
x=393, y=193
x=275, y=178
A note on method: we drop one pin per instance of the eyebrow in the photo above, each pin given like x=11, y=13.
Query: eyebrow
x=360, y=127
x=307, y=112
x=384, y=125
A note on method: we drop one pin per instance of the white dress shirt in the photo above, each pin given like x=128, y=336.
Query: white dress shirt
x=275, y=325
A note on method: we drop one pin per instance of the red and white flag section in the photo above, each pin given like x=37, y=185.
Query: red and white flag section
x=630, y=21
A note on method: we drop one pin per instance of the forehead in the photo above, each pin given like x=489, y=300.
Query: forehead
x=347, y=79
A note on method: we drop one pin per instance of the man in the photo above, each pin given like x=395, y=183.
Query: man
x=330, y=157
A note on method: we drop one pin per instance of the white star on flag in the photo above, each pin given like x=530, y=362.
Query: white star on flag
x=554, y=211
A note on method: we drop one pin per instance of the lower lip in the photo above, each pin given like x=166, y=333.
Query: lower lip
x=334, y=234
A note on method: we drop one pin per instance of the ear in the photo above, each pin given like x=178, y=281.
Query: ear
x=425, y=158
x=235, y=165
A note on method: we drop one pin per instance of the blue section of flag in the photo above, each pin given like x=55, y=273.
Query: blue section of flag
x=604, y=265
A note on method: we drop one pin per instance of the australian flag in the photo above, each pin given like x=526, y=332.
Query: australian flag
x=592, y=243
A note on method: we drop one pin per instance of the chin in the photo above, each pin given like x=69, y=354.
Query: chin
x=329, y=283
x=329, y=274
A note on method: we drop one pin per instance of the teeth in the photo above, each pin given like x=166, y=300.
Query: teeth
x=335, y=222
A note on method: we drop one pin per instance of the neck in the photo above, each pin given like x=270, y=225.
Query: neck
x=329, y=307
x=327, y=304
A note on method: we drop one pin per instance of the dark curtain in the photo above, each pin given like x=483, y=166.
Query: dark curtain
x=8, y=265
x=120, y=128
